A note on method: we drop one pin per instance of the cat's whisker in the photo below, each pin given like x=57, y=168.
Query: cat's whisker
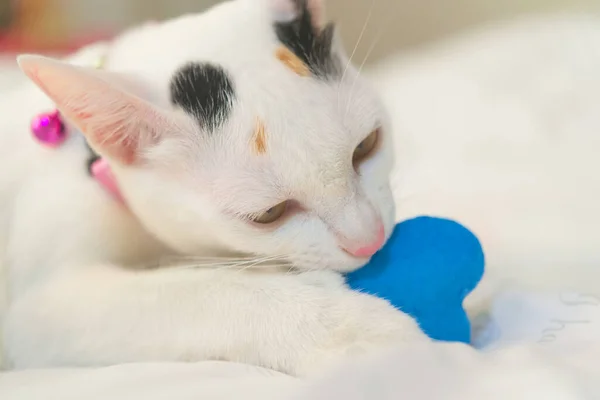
x=378, y=36
x=360, y=68
x=205, y=266
x=234, y=264
x=192, y=258
x=268, y=262
x=176, y=259
x=358, y=41
x=256, y=261
x=216, y=257
x=237, y=268
x=264, y=260
x=271, y=266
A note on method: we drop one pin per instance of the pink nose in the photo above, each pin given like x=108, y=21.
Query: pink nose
x=371, y=248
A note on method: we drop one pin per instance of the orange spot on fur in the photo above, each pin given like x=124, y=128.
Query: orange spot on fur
x=292, y=61
x=260, y=138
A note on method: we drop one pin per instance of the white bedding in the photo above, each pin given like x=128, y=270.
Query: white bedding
x=500, y=130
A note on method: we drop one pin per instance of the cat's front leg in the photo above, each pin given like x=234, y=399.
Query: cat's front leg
x=360, y=324
x=106, y=315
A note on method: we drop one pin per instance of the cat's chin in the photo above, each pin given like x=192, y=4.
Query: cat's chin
x=342, y=264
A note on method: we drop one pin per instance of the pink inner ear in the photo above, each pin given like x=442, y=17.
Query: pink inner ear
x=115, y=122
x=112, y=135
x=316, y=11
x=121, y=147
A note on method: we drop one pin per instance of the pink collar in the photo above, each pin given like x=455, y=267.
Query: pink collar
x=49, y=129
x=101, y=171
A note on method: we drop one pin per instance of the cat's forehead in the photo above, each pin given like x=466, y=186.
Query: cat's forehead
x=241, y=36
x=269, y=92
x=236, y=53
x=247, y=61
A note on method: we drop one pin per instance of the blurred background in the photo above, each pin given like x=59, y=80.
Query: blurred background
x=395, y=25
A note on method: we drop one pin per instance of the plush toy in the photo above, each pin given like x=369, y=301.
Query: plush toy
x=426, y=269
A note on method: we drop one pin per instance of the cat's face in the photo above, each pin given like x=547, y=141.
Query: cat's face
x=254, y=134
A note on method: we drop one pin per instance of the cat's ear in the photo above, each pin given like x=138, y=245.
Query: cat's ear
x=117, y=124
x=289, y=10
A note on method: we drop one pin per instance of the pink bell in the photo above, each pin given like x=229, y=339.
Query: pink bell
x=49, y=129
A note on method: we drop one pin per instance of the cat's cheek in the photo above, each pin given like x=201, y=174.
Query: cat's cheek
x=325, y=255
x=377, y=169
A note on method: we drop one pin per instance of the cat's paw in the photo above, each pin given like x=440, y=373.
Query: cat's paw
x=361, y=324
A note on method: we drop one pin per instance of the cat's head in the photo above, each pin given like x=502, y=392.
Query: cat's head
x=241, y=129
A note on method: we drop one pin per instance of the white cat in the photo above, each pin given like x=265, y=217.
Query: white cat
x=243, y=132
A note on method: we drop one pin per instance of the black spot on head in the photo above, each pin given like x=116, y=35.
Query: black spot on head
x=205, y=91
x=309, y=43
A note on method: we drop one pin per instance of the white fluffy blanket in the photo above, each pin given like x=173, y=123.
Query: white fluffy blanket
x=499, y=129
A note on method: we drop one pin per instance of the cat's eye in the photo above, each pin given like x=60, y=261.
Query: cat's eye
x=272, y=214
x=365, y=147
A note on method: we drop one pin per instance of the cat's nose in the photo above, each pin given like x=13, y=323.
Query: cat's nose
x=365, y=250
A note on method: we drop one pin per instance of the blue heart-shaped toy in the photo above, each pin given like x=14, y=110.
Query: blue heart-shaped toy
x=426, y=269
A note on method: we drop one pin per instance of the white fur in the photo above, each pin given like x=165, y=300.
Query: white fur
x=76, y=295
